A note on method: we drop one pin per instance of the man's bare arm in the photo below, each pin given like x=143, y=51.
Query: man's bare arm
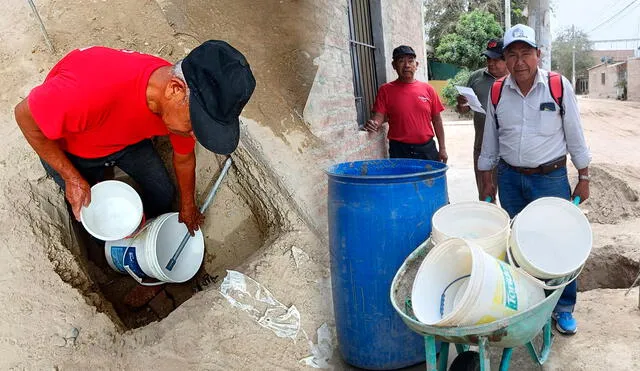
x=185, y=168
x=78, y=191
x=438, y=129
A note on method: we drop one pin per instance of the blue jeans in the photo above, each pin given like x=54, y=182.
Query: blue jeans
x=517, y=190
x=141, y=162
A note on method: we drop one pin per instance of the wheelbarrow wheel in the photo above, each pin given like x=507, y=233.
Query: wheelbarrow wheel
x=466, y=361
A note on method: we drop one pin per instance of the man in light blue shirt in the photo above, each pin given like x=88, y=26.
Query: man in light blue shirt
x=527, y=139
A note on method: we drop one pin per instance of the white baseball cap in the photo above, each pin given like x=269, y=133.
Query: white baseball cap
x=522, y=33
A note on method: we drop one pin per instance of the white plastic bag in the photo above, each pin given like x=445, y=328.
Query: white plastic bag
x=250, y=296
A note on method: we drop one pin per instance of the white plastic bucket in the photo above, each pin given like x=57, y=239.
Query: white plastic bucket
x=146, y=255
x=115, y=211
x=483, y=223
x=459, y=284
x=550, y=238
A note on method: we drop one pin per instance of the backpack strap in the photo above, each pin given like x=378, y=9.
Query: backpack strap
x=556, y=88
x=496, y=93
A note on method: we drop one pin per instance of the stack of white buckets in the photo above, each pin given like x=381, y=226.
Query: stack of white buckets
x=464, y=279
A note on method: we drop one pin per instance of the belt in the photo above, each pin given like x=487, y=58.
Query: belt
x=547, y=168
x=412, y=145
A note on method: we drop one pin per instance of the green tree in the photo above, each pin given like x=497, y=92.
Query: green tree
x=496, y=7
x=562, y=49
x=449, y=92
x=464, y=46
x=441, y=16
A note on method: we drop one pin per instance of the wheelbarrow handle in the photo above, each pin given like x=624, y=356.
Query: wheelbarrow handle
x=576, y=200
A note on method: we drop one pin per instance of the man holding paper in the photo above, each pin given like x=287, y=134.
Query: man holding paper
x=480, y=83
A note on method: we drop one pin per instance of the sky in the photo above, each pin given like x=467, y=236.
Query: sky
x=595, y=18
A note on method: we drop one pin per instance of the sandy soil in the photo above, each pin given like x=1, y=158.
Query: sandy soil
x=52, y=317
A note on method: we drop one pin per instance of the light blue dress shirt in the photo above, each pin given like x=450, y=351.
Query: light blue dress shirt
x=528, y=136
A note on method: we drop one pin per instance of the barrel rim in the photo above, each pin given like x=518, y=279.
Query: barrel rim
x=442, y=170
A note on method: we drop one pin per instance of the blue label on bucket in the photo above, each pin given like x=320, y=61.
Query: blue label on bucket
x=131, y=261
x=511, y=295
x=117, y=255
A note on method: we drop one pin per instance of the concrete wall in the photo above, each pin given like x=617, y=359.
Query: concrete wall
x=616, y=55
x=606, y=90
x=403, y=25
x=330, y=110
x=633, y=79
x=439, y=85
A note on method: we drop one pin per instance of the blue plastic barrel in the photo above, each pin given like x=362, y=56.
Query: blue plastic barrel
x=379, y=212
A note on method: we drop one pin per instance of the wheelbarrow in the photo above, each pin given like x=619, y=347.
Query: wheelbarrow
x=506, y=333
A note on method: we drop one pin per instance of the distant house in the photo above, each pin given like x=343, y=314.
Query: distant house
x=616, y=79
x=633, y=79
x=582, y=85
x=607, y=80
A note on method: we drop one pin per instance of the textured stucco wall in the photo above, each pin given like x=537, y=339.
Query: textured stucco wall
x=403, y=25
x=633, y=79
x=606, y=90
x=330, y=110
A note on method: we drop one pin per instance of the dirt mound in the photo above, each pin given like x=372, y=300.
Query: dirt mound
x=612, y=198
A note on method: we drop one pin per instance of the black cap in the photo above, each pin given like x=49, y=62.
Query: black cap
x=220, y=83
x=494, y=49
x=403, y=50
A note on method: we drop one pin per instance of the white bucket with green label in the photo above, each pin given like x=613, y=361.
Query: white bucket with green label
x=459, y=284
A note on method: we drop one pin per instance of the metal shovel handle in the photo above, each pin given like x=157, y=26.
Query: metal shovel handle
x=203, y=208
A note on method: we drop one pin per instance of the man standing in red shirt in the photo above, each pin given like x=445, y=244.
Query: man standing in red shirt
x=413, y=109
x=99, y=107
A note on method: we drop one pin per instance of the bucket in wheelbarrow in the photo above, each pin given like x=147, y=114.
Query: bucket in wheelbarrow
x=379, y=211
x=551, y=238
x=460, y=284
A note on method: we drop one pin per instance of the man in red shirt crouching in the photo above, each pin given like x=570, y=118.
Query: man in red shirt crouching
x=412, y=109
x=99, y=107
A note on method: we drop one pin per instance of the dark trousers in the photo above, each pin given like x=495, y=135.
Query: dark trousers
x=141, y=162
x=425, y=151
x=518, y=190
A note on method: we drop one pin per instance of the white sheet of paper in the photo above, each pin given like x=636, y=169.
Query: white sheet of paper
x=472, y=98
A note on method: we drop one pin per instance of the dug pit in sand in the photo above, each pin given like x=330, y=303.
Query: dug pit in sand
x=232, y=232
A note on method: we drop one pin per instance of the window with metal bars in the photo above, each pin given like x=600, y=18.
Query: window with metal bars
x=365, y=38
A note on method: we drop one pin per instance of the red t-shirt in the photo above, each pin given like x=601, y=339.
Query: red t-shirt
x=93, y=103
x=409, y=108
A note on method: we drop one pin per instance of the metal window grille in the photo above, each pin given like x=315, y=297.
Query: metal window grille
x=365, y=82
